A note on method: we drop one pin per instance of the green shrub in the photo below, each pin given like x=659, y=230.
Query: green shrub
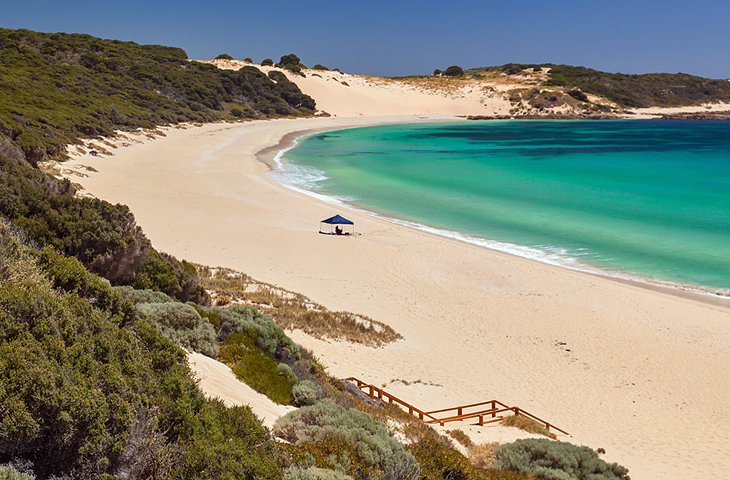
x=228, y=444
x=224, y=56
x=69, y=275
x=73, y=382
x=268, y=336
x=437, y=72
x=454, y=71
x=319, y=66
x=552, y=460
x=461, y=437
x=313, y=473
x=578, y=95
x=306, y=392
x=256, y=368
x=211, y=314
x=289, y=59
x=248, y=60
x=178, y=279
x=285, y=371
x=527, y=424
x=9, y=472
x=143, y=296
x=182, y=324
x=267, y=62
x=347, y=439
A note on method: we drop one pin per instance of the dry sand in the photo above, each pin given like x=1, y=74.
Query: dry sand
x=641, y=373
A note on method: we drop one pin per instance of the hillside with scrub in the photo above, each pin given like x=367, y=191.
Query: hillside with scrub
x=511, y=90
x=95, y=322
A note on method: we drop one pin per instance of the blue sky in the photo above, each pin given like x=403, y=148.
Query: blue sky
x=412, y=36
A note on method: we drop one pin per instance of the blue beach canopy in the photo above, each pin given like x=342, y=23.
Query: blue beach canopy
x=338, y=220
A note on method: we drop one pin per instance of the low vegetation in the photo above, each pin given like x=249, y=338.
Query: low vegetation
x=453, y=71
x=103, y=395
x=258, y=370
x=549, y=460
x=625, y=90
x=482, y=456
x=58, y=87
x=293, y=311
x=342, y=438
x=527, y=424
x=182, y=324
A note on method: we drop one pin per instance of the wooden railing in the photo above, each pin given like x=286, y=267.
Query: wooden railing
x=491, y=414
x=380, y=394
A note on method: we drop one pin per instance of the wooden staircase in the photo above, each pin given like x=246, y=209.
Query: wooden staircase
x=481, y=413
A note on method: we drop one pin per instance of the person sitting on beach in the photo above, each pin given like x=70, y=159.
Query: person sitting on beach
x=338, y=231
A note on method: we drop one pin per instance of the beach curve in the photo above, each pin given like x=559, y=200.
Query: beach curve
x=605, y=359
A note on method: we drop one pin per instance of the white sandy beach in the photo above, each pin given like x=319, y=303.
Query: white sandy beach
x=643, y=374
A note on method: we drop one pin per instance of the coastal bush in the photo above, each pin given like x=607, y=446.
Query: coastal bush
x=306, y=392
x=228, y=444
x=73, y=383
x=224, y=56
x=182, y=324
x=92, y=87
x=267, y=62
x=311, y=473
x=69, y=275
x=211, y=314
x=266, y=334
x=578, y=95
x=527, y=424
x=482, y=456
x=248, y=60
x=257, y=369
x=319, y=66
x=347, y=439
x=163, y=272
x=454, y=71
x=628, y=90
x=460, y=437
x=143, y=296
x=550, y=460
x=290, y=59
x=9, y=472
x=284, y=370
x=437, y=72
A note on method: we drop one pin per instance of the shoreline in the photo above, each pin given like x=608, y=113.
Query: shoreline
x=269, y=157
x=608, y=361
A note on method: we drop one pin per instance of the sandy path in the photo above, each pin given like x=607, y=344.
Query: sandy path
x=643, y=374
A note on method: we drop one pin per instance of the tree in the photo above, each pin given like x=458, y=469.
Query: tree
x=290, y=59
x=454, y=71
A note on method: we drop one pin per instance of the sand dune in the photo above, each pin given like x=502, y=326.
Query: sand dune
x=348, y=95
x=638, y=372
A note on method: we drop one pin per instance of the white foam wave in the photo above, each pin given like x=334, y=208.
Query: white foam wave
x=307, y=180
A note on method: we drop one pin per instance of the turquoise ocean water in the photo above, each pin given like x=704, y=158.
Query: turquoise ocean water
x=643, y=198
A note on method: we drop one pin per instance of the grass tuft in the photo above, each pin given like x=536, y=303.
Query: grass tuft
x=527, y=424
